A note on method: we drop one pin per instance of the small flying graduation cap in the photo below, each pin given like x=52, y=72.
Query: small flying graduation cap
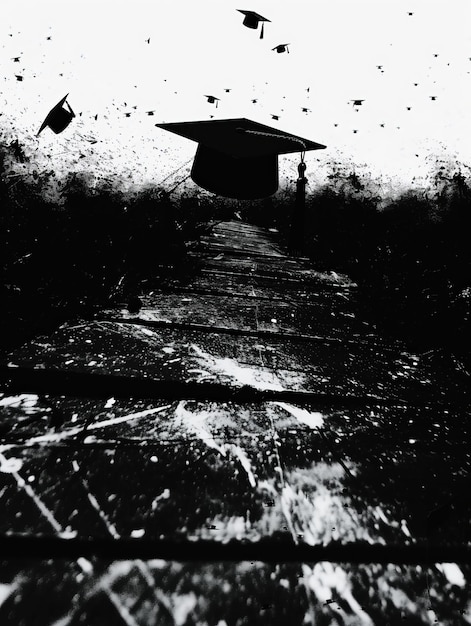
x=357, y=103
x=16, y=59
x=238, y=158
x=282, y=47
x=305, y=109
x=252, y=19
x=254, y=101
x=212, y=100
x=150, y=112
x=274, y=117
x=433, y=97
x=58, y=117
x=18, y=77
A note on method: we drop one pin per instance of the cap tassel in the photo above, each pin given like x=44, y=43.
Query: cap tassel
x=261, y=32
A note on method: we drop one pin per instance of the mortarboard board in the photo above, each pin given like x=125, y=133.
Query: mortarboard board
x=58, y=117
x=18, y=77
x=252, y=19
x=212, y=100
x=433, y=97
x=305, y=109
x=282, y=47
x=227, y=90
x=357, y=103
x=254, y=101
x=238, y=158
x=16, y=59
x=274, y=117
x=150, y=112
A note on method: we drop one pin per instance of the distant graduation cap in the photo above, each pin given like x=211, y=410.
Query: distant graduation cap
x=282, y=47
x=18, y=77
x=238, y=158
x=274, y=117
x=227, y=90
x=58, y=117
x=433, y=97
x=212, y=100
x=252, y=19
x=357, y=103
x=254, y=101
x=16, y=59
x=150, y=112
x=127, y=114
x=305, y=109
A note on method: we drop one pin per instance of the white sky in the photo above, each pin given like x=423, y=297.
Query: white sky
x=201, y=47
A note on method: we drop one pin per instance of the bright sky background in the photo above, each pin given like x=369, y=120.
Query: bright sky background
x=99, y=55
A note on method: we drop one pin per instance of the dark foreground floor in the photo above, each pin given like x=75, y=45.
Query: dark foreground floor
x=245, y=449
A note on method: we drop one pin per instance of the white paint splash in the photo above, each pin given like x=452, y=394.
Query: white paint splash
x=251, y=376
x=313, y=420
x=452, y=572
x=54, y=437
x=196, y=422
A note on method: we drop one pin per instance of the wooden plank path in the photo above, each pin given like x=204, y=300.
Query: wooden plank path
x=247, y=414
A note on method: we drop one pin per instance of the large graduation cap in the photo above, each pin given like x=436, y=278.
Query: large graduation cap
x=238, y=158
x=58, y=117
x=252, y=19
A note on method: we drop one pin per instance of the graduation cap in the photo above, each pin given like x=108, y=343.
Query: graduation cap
x=254, y=101
x=212, y=100
x=305, y=109
x=274, y=117
x=252, y=19
x=150, y=112
x=282, y=47
x=16, y=59
x=433, y=97
x=58, y=117
x=238, y=158
x=127, y=114
x=20, y=78
x=227, y=90
x=357, y=103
